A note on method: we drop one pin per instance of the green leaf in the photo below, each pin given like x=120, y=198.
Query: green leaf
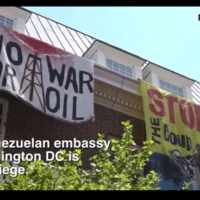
x=118, y=173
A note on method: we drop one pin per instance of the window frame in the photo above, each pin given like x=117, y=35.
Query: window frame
x=171, y=88
x=5, y=21
x=124, y=72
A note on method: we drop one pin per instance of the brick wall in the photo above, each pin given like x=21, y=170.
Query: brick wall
x=24, y=123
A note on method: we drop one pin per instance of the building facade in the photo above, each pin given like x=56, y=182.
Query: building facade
x=117, y=95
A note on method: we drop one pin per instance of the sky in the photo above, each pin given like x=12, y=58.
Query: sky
x=166, y=36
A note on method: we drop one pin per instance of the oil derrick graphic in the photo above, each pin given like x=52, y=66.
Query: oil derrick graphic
x=32, y=80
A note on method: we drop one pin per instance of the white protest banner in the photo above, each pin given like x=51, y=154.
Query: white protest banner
x=52, y=80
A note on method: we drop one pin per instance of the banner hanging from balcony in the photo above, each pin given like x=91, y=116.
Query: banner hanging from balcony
x=173, y=123
x=50, y=79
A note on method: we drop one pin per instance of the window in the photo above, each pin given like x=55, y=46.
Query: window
x=6, y=22
x=117, y=67
x=171, y=88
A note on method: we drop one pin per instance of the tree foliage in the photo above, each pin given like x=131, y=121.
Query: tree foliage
x=121, y=172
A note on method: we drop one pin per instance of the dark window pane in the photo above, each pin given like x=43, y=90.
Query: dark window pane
x=168, y=87
x=9, y=23
x=109, y=63
x=2, y=19
x=180, y=90
x=122, y=69
x=116, y=66
x=162, y=83
x=128, y=71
